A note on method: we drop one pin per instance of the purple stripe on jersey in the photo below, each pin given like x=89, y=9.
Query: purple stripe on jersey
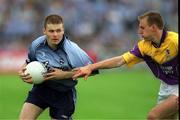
x=168, y=72
x=163, y=37
x=135, y=51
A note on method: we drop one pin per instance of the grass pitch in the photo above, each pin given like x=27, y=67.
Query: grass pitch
x=123, y=95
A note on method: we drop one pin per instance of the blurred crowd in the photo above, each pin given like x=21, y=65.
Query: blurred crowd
x=102, y=27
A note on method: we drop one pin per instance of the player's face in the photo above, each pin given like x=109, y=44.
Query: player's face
x=145, y=31
x=54, y=33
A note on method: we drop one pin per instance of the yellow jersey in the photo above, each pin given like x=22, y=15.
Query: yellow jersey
x=162, y=59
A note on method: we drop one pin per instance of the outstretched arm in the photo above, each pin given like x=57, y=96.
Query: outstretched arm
x=108, y=63
x=105, y=64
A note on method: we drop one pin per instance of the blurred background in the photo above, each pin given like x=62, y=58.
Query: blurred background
x=103, y=28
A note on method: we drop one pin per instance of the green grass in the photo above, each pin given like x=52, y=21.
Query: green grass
x=110, y=95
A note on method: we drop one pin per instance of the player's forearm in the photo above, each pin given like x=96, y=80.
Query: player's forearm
x=108, y=63
x=68, y=74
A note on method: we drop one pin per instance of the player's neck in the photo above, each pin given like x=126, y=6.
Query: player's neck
x=52, y=46
x=157, y=37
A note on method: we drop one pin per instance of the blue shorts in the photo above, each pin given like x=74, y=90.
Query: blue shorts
x=61, y=104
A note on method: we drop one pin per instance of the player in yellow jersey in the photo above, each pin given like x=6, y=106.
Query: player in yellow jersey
x=159, y=49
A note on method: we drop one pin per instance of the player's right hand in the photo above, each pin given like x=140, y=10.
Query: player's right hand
x=25, y=76
x=82, y=72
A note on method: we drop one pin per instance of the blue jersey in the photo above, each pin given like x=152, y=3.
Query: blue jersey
x=67, y=56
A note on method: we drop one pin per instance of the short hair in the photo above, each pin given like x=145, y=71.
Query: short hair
x=153, y=18
x=53, y=19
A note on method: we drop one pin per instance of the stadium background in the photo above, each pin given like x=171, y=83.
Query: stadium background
x=104, y=28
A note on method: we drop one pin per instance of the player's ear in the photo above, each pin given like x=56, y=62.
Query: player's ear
x=154, y=27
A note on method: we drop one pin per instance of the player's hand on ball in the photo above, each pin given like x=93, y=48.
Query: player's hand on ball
x=33, y=72
x=25, y=76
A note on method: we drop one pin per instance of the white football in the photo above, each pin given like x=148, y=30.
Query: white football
x=36, y=70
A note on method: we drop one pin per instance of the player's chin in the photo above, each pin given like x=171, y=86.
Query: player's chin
x=55, y=42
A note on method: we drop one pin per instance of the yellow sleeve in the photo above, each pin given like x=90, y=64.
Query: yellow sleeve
x=173, y=37
x=131, y=59
x=176, y=40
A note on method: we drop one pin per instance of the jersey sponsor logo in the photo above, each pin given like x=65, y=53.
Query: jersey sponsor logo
x=167, y=69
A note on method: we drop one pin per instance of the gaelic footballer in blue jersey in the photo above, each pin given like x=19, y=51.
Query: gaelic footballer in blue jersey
x=61, y=55
x=159, y=49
